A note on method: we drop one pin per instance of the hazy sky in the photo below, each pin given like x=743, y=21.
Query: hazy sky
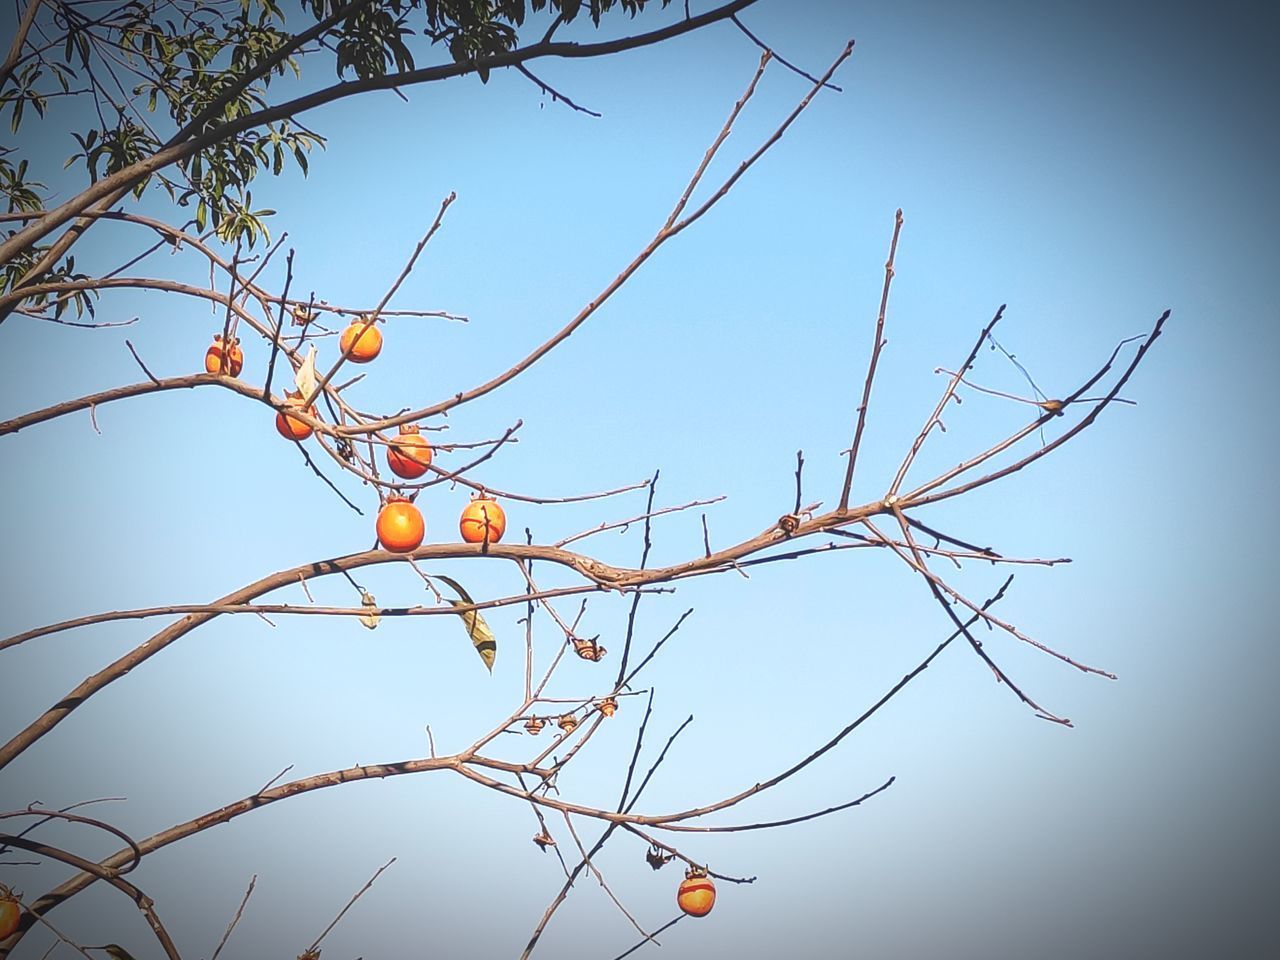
x=1090, y=165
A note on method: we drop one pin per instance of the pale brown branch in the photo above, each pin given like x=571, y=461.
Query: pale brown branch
x=236, y=919
x=187, y=142
x=111, y=875
x=19, y=39
x=876, y=347
x=974, y=643
x=663, y=235
x=937, y=412
x=586, y=858
x=372, y=317
x=350, y=904
x=630, y=520
x=1089, y=418
x=720, y=139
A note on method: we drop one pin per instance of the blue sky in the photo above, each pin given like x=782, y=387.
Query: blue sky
x=1088, y=165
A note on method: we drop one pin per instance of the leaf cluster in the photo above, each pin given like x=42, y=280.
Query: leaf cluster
x=154, y=73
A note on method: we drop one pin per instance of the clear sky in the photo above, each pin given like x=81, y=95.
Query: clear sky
x=1090, y=165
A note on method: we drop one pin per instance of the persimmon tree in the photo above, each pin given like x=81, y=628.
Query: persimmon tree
x=193, y=100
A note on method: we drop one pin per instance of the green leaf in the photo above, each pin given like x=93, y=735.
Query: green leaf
x=481, y=636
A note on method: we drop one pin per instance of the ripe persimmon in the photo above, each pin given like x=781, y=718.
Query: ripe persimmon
x=400, y=526
x=291, y=428
x=10, y=913
x=482, y=521
x=221, y=358
x=361, y=341
x=409, y=454
x=697, y=894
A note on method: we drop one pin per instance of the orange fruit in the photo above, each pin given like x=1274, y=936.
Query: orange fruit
x=483, y=521
x=10, y=914
x=291, y=428
x=400, y=526
x=361, y=341
x=220, y=359
x=697, y=894
x=409, y=454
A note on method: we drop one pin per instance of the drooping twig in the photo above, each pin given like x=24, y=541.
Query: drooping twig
x=556, y=95
x=109, y=874
x=773, y=53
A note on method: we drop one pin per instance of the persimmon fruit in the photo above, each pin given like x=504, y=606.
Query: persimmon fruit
x=10, y=914
x=482, y=521
x=361, y=341
x=697, y=894
x=409, y=454
x=225, y=358
x=400, y=526
x=291, y=428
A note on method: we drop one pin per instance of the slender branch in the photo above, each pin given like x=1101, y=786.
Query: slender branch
x=19, y=38
x=715, y=144
x=773, y=53
x=937, y=412
x=663, y=235
x=373, y=316
x=350, y=903
x=871, y=367
x=111, y=875
x=236, y=919
x=111, y=188
x=918, y=499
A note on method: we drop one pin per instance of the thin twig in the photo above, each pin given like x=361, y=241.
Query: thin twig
x=236, y=919
x=350, y=903
x=871, y=366
x=150, y=376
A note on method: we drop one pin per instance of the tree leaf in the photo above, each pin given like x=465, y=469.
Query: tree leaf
x=481, y=636
x=370, y=620
x=305, y=378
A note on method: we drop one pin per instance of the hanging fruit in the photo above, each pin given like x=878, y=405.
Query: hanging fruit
x=10, y=912
x=291, y=428
x=483, y=521
x=361, y=341
x=400, y=526
x=697, y=894
x=409, y=454
x=224, y=358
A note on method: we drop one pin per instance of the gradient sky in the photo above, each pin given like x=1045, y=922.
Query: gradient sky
x=1088, y=164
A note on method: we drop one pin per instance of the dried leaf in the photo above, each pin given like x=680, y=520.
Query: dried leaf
x=370, y=620
x=305, y=378
x=481, y=636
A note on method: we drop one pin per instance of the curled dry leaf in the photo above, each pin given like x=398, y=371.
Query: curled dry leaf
x=305, y=378
x=370, y=620
x=481, y=636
